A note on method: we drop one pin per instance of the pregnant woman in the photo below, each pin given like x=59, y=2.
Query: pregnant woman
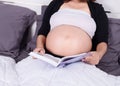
x=70, y=27
x=73, y=27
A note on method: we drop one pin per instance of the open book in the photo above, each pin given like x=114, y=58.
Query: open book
x=56, y=61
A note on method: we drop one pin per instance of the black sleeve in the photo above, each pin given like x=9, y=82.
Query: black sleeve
x=45, y=27
x=101, y=34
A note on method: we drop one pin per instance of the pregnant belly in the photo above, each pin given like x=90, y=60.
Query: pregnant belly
x=68, y=40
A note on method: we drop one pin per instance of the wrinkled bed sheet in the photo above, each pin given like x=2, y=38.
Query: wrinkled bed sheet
x=8, y=74
x=33, y=72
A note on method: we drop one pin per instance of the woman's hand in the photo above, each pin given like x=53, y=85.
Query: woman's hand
x=39, y=50
x=93, y=58
x=40, y=45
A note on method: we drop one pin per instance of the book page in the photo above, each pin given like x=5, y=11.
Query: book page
x=73, y=58
x=80, y=56
x=56, y=61
x=46, y=57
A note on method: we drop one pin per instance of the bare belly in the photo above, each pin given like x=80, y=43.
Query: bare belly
x=68, y=40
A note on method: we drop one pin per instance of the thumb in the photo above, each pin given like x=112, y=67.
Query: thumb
x=42, y=52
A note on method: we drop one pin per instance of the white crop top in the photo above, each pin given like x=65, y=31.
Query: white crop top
x=74, y=17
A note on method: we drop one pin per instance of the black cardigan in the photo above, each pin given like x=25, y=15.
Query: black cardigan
x=97, y=13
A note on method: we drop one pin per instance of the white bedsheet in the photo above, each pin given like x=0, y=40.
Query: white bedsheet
x=33, y=72
x=8, y=75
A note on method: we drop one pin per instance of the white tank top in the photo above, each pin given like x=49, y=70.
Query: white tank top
x=74, y=17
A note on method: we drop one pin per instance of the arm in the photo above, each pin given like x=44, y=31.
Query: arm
x=95, y=56
x=40, y=44
x=101, y=49
x=40, y=41
x=100, y=39
x=44, y=29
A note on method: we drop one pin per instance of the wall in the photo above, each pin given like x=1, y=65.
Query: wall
x=32, y=4
x=113, y=6
x=30, y=1
x=109, y=5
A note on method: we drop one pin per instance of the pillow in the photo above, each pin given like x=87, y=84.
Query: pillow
x=14, y=21
x=32, y=43
x=110, y=61
x=31, y=4
x=1, y=2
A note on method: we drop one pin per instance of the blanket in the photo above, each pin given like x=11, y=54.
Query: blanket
x=8, y=74
x=34, y=72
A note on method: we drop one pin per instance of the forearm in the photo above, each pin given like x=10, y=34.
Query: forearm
x=40, y=41
x=101, y=49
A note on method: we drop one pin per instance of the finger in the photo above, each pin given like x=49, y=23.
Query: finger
x=87, y=59
x=83, y=60
x=36, y=49
x=42, y=52
x=34, y=57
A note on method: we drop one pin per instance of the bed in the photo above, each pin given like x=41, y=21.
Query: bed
x=19, y=23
